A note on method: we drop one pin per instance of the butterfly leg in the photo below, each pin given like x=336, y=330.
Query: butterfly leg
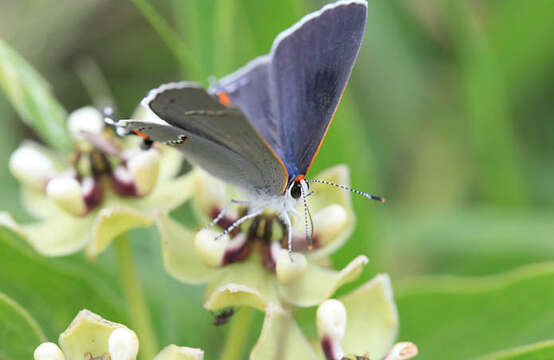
x=223, y=211
x=286, y=219
x=250, y=215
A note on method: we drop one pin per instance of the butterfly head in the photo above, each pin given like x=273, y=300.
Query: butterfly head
x=298, y=188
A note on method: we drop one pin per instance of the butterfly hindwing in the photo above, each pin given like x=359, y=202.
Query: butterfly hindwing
x=219, y=138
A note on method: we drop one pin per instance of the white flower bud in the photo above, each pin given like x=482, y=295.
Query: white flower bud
x=331, y=319
x=85, y=119
x=48, y=351
x=290, y=267
x=180, y=353
x=66, y=193
x=123, y=344
x=30, y=167
x=402, y=351
x=209, y=249
x=331, y=326
x=329, y=222
x=144, y=167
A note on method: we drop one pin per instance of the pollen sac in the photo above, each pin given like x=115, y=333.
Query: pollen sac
x=290, y=266
x=86, y=119
x=123, y=344
x=66, y=192
x=138, y=175
x=31, y=167
x=331, y=326
x=329, y=222
x=144, y=168
x=211, y=251
x=48, y=351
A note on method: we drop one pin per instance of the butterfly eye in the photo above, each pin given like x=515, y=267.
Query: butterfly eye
x=296, y=190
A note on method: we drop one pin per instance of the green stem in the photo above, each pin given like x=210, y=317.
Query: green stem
x=171, y=39
x=233, y=348
x=134, y=298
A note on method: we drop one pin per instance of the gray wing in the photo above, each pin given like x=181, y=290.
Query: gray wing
x=219, y=139
x=290, y=95
x=311, y=63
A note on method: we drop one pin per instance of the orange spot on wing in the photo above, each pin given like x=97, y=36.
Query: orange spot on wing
x=223, y=98
x=299, y=178
x=142, y=135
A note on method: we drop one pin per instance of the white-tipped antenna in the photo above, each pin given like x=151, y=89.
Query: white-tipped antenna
x=364, y=194
x=108, y=119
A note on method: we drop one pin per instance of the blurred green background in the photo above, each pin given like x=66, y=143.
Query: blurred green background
x=449, y=114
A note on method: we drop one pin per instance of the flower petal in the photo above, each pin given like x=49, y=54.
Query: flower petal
x=58, y=235
x=111, y=222
x=325, y=199
x=179, y=256
x=319, y=283
x=243, y=284
x=174, y=352
x=281, y=338
x=372, y=318
x=37, y=203
x=87, y=333
x=166, y=195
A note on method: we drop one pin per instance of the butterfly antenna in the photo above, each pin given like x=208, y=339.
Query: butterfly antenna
x=364, y=194
x=307, y=217
x=108, y=116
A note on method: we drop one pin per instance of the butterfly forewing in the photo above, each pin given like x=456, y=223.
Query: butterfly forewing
x=290, y=95
x=310, y=66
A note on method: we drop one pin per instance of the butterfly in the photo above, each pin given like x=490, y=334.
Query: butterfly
x=261, y=127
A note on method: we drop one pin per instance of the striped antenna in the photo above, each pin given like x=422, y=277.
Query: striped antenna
x=307, y=217
x=364, y=194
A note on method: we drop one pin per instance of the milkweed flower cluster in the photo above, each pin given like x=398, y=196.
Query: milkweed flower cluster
x=90, y=337
x=105, y=187
x=252, y=268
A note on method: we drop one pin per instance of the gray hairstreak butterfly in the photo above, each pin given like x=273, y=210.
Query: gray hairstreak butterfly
x=261, y=127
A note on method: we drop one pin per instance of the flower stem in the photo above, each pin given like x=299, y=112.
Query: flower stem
x=134, y=298
x=233, y=348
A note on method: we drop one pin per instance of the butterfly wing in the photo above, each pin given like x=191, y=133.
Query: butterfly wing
x=311, y=64
x=248, y=88
x=219, y=139
x=290, y=95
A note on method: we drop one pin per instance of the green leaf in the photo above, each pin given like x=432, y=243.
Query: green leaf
x=54, y=290
x=485, y=314
x=32, y=97
x=19, y=332
x=473, y=241
x=543, y=350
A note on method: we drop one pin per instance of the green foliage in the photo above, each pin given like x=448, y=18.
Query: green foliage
x=539, y=351
x=459, y=318
x=32, y=97
x=19, y=332
x=448, y=115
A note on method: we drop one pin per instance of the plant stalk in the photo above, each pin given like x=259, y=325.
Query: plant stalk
x=137, y=309
x=233, y=348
